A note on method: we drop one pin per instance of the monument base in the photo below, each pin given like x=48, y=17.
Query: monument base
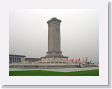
x=55, y=54
x=54, y=60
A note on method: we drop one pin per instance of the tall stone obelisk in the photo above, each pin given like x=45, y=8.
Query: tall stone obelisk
x=54, y=41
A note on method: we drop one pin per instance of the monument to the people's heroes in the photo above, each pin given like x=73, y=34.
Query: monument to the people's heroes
x=54, y=41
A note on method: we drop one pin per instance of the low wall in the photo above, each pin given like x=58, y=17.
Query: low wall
x=50, y=65
x=44, y=66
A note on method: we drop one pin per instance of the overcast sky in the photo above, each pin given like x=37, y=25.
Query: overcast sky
x=28, y=32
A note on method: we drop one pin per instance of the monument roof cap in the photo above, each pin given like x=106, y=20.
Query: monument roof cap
x=53, y=19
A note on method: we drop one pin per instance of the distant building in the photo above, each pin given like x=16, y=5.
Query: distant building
x=16, y=58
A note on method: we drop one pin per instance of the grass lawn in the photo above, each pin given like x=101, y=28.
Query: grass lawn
x=51, y=73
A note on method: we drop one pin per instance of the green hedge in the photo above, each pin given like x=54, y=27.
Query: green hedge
x=51, y=73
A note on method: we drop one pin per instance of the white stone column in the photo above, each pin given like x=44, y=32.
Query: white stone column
x=54, y=48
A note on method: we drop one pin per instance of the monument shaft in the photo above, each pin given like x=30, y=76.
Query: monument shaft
x=54, y=47
x=54, y=37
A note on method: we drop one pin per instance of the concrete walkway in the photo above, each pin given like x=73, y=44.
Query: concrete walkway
x=58, y=69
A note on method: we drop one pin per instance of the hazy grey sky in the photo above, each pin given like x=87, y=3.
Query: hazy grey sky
x=28, y=32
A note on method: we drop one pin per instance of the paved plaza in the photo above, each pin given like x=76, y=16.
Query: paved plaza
x=58, y=69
